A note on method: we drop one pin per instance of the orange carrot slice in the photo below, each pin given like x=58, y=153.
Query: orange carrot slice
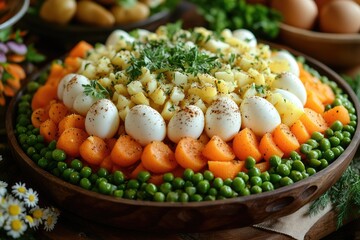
x=72, y=120
x=285, y=139
x=39, y=116
x=218, y=150
x=337, y=113
x=313, y=121
x=245, y=144
x=226, y=169
x=188, y=154
x=300, y=132
x=49, y=130
x=268, y=147
x=93, y=150
x=158, y=157
x=126, y=151
x=57, y=112
x=70, y=141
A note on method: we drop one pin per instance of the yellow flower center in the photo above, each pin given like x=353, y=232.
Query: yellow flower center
x=14, y=210
x=49, y=220
x=38, y=213
x=16, y=225
x=29, y=219
x=31, y=198
x=22, y=190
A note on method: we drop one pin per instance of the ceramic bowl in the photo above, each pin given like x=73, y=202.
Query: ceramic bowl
x=192, y=216
x=340, y=51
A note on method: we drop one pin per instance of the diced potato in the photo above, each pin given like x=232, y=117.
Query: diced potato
x=134, y=87
x=121, y=59
x=103, y=66
x=236, y=98
x=241, y=78
x=200, y=103
x=140, y=98
x=150, y=86
x=122, y=102
x=226, y=76
x=180, y=79
x=158, y=96
x=89, y=71
x=105, y=82
x=246, y=63
x=145, y=76
x=123, y=113
x=168, y=110
x=258, y=77
x=222, y=86
x=216, y=46
x=207, y=92
x=206, y=78
x=121, y=89
x=177, y=95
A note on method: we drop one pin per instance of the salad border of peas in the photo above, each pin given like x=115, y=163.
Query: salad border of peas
x=320, y=149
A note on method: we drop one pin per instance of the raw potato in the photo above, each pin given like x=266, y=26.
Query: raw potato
x=58, y=11
x=129, y=15
x=93, y=14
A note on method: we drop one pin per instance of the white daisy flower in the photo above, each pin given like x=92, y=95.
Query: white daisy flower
x=19, y=190
x=31, y=222
x=2, y=218
x=37, y=214
x=51, y=217
x=31, y=198
x=13, y=207
x=3, y=190
x=15, y=227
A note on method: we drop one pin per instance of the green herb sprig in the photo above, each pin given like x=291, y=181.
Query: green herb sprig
x=96, y=90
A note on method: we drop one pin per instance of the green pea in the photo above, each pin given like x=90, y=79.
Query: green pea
x=121, y=186
x=275, y=178
x=209, y=198
x=325, y=144
x=132, y=184
x=317, y=136
x=352, y=123
x=93, y=178
x=265, y=176
x=196, y=198
x=165, y=187
x=345, y=141
x=48, y=155
x=314, y=163
x=295, y=175
x=74, y=177
x=255, y=180
x=178, y=183
x=76, y=164
x=286, y=181
x=305, y=148
x=39, y=146
x=184, y=197
x=243, y=175
x=30, y=151
x=312, y=143
x=85, y=172
x=203, y=186
x=188, y=184
x=102, y=172
x=225, y=191
x=283, y=170
x=324, y=163
x=197, y=177
x=35, y=157
x=188, y=174
x=208, y=175
x=228, y=182
x=245, y=192
x=336, y=126
x=151, y=189
x=66, y=173
x=267, y=186
x=130, y=193
x=118, y=193
x=159, y=197
x=99, y=180
x=31, y=140
x=329, y=155
x=334, y=141
x=172, y=197
x=250, y=162
x=52, y=145
x=85, y=183
x=58, y=155
x=346, y=134
x=168, y=177
x=62, y=166
x=336, y=151
x=349, y=129
x=218, y=183
x=255, y=189
x=337, y=102
x=298, y=165
x=254, y=172
x=213, y=191
x=190, y=190
x=275, y=161
x=339, y=135
x=329, y=132
x=295, y=156
x=43, y=163
x=312, y=154
x=56, y=172
x=118, y=177
x=353, y=117
x=32, y=86
x=143, y=176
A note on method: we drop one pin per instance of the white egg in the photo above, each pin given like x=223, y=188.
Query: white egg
x=283, y=55
x=222, y=118
x=82, y=103
x=142, y=34
x=289, y=96
x=62, y=84
x=102, y=119
x=291, y=83
x=145, y=124
x=117, y=35
x=73, y=88
x=246, y=36
x=187, y=122
x=259, y=115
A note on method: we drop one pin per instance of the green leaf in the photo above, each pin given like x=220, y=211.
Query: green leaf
x=5, y=34
x=32, y=55
x=96, y=90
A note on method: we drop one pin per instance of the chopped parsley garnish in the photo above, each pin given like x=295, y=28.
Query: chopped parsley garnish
x=96, y=90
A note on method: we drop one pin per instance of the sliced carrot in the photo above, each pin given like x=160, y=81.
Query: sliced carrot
x=329, y=93
x=300, y=132
x=93, y=150
x=80, y=49
x=15, y=70
x=70, y=141
x=313, y=121
x=314, y=102
x=158, y=157
x=9, y=91
x=218, y=150
x=337, y=113
x=39, y=116
x=43, y=96
x=285, y=139
x=188, y=154
x=268, y=147
x=14, y=83
x=226, y=169
x=57, y=112
x=107, y=163
x=72, y=120
x=57, y=72
x=16, y=58
x=72, y=64
x=126, y=151
x=263, y=166
x=245, y=144
x=49, y=130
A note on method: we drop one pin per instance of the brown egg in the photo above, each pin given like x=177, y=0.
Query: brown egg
x=340, y=16
x=297, y=13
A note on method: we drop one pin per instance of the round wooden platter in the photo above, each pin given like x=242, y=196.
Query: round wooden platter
x=192, y=216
